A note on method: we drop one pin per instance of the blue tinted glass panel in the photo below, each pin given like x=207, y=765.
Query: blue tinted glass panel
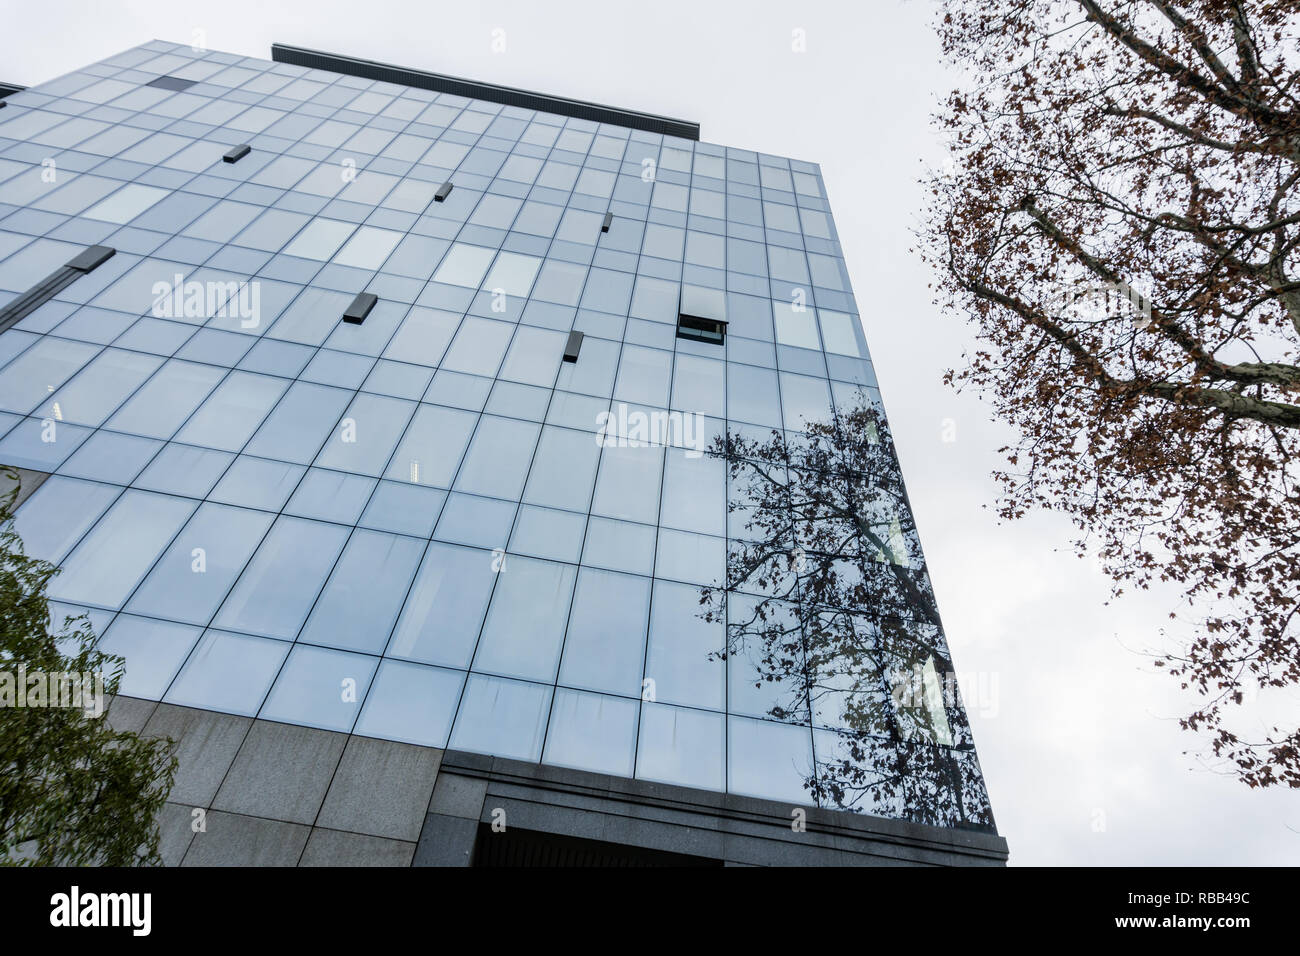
x=277, y=589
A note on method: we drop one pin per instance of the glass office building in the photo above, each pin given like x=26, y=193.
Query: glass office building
x=394, y=516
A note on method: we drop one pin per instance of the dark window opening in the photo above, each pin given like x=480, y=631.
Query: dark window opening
x=713, y=331
x=702, y=315
x=513, y=847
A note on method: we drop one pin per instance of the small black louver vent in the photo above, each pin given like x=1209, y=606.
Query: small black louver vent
x=360, y=308
x=88, y=260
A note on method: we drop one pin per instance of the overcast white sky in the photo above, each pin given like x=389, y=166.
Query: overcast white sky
x=1080, y=746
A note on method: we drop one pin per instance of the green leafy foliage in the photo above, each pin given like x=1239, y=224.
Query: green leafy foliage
x=73, y=791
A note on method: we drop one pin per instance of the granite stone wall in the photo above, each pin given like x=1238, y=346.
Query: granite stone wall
x=258, y=793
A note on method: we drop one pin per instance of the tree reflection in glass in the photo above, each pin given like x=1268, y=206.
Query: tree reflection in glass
x=830, y=612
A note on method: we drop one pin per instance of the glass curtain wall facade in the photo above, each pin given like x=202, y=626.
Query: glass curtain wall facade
x=405, y=527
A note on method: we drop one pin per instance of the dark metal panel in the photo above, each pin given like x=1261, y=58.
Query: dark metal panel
x=514, y=847
x=170, y=83
x=536, y=798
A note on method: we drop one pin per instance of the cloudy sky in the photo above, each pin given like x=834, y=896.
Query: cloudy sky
x=1076, y=732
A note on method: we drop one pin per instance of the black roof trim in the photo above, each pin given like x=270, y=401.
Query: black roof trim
x=8, y=89
x=439, y=83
